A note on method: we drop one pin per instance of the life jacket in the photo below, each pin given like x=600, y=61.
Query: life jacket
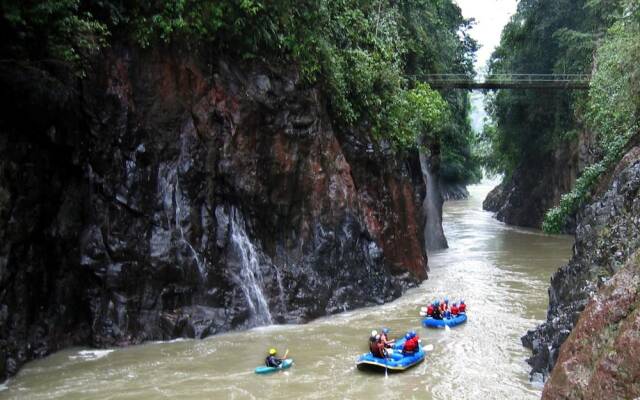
x=272, y=361
x=377, y=349
x=443, y=307
x=462, y=308
x=454, y=310
x=411, y=345
x=373, y=346
x=437, y=314
x=430, y=309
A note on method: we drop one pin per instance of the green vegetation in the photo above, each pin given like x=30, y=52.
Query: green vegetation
x=54, y=30
x=613, y=108
x=561, y=36
x=366, y=55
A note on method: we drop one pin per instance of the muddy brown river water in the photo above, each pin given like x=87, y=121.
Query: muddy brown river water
x=502, y=272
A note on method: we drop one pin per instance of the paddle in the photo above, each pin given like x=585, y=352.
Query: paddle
x=386, y=372
x=283, y=358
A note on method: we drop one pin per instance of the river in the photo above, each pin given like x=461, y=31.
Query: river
x=502, y=273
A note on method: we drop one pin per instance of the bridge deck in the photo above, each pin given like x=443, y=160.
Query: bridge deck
x=509, y=81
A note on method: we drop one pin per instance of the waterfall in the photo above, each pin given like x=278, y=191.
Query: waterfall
x=248, y=272
x=178, y=217
x=432, y=207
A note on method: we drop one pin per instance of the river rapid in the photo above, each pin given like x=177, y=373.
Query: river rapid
x=502, y=273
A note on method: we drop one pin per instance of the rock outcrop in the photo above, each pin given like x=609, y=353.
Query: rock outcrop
x=523, y=198
x=453, y=191
x=599, y=360
x=168, y=195
x=607, y=234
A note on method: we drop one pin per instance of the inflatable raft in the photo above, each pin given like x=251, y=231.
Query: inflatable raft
x=441, y=323
x=267, y=370
x=396, y=363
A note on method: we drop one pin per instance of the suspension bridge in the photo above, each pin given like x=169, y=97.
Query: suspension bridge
x=508, y=81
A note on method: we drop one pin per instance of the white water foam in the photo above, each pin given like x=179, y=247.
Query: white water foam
x=249, y=277
x=91, y=355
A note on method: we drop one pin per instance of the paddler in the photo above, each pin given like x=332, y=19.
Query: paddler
x=272, y=360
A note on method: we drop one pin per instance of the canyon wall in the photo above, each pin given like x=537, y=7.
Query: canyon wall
x=607, y=236
x=523, y=198
x=167, y=195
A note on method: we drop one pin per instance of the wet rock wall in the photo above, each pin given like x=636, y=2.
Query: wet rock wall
x=168, y=195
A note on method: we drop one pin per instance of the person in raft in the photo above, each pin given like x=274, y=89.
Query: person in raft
x=462, y=308
x=444, y=305
x=411, y=344
x=272, y=360
x=388, y=344
x=377, y=348
x=372, y=338
x=384, y=336
x=430, y=309
x=437, y=314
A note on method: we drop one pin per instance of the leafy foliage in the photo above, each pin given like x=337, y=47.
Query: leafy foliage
x=51, y=30
x=544, y=36
x=367, y=56
x=613, y=109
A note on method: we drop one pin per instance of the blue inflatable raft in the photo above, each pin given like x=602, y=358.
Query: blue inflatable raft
x=441, y=323
x=267, y=370
x=396, y=363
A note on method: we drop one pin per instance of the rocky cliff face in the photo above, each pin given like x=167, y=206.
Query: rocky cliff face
x=167, y=196
x=453, y=191
x=607, y=234
x=536, y=186
x=599, y=360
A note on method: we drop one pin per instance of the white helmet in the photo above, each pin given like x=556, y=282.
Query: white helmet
x=374, y=333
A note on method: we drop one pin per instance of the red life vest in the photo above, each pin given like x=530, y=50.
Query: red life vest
x=454, y=310
x=430, y=310
x=462, y=308
x=411, y=345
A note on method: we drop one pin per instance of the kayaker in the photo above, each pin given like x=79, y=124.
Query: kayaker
x=272, y=360
x=454, y=309
x=411, y=344
x=462, y=308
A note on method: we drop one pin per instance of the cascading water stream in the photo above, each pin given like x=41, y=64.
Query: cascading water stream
x=248, y=276
x=201, y=263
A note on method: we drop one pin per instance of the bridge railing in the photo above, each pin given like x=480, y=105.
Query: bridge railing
x=507, y=80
